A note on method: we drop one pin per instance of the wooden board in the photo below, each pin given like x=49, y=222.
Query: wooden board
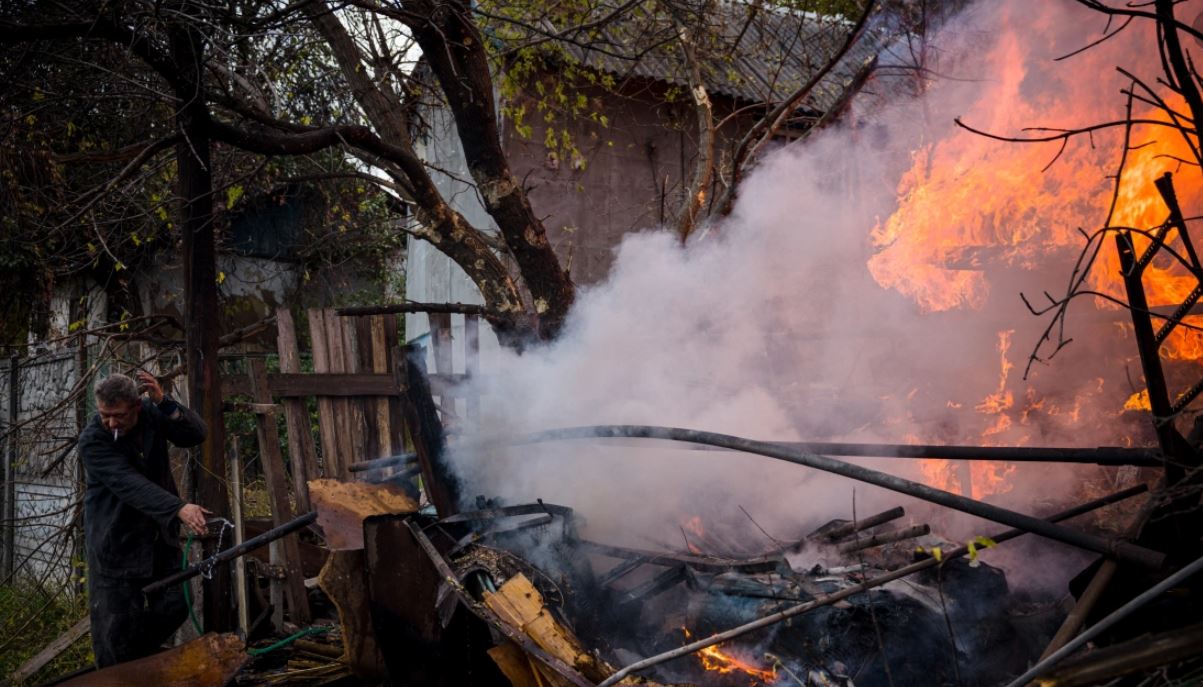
x=328, y=384
x=277, y=493
x=366, y=405
x=380, y=366
x=519, y=604
x=343, y=506
x=514, y=664
x=325, y=404
x=354, y=405
x=344, y=580
x=336, y=347
x=52, y=650
x=300, y=435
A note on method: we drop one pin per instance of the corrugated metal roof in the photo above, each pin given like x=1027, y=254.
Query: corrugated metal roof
x=749, y=52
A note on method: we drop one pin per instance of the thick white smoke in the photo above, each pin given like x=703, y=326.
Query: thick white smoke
x=772, y=326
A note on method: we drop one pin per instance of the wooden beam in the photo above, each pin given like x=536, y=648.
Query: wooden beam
x=52, y=650
x=277, y=492
x=296, y=416
x=334, y=385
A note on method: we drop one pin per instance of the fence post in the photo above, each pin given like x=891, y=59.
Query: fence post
x=7, y=492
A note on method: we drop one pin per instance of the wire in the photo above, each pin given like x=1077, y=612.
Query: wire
x=187, y=591
x=317, y=629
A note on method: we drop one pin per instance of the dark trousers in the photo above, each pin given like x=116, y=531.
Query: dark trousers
x=127, y=624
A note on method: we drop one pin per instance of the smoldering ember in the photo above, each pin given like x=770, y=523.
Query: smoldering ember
x=683, y=342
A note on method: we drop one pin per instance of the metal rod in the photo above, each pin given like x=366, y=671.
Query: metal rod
x=385, y=462
x=1106, y=623
x=233, y=552
x=852, y=591
x=244, y=617
x=1102, y=455
x=1108, y=547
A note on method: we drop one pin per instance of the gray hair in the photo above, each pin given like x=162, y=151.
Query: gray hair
x=116, y=388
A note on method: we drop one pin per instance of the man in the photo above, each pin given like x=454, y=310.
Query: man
x=132, y=514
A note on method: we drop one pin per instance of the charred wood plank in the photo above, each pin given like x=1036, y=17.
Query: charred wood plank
x=658, y=584
x=1105, y=665
x=1108, y=547
x=829, y=599
x=886, y=538
x=706, y=563
x=426, y=430
x=1111, y=620
x=481, y=611
x=836, y=531
x=619, y=571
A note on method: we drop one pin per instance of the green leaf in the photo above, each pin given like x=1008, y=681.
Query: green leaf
x=233, y=193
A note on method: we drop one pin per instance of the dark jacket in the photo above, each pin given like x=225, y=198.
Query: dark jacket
x=131, y=502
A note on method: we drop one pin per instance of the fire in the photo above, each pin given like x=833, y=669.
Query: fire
x=985, y=478
x=715, y=660
x=693, y=526
x=969, y=202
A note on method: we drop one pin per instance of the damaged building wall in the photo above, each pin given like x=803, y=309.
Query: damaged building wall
x=44, y=489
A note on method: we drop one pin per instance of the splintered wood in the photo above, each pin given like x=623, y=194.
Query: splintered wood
x=208, y=661
x=343, y=506
x=520, y=605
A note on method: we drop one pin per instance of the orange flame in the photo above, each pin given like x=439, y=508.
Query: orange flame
x=968, y=201
x=694, y=526
x=715, y=660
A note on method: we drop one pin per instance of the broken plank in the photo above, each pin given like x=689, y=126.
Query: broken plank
x=336, y=346
x=296, y=416
x=277, y=492
x=379, y=365
x=51, y=651
x=344, y=580
x=325, y=404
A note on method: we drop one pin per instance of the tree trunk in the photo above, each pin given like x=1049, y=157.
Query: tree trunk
x=202, y=325
x=455, y=50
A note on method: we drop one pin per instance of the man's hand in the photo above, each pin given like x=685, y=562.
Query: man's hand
x=149, y=385
x=193, y=517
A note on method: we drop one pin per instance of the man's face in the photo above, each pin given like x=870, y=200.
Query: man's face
x=121, y=417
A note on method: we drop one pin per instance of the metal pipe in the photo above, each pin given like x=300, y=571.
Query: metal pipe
x=852, y=591
x=1106, y=623
x=1102, y=455
x=233, y=552
x=385, y=462
x=1108, y=547
x=244, y=619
